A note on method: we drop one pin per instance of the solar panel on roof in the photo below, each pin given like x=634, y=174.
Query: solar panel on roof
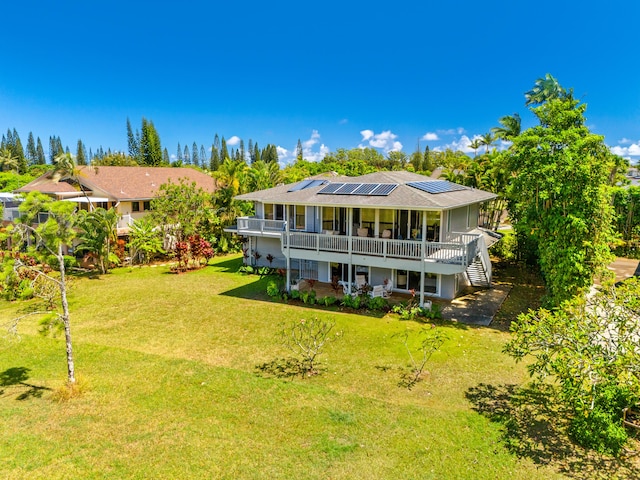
x=347, y=188
x=306, y=184
x=331, y=188
x=384, y=189
x=436, y=186
x=316, y=183
x=300, y=186
x=365, y=188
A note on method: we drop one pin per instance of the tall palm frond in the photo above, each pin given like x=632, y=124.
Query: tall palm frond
x=511, y=126
x=487, y=139
x=545, y=89
x=475, y=145
x=7, y=161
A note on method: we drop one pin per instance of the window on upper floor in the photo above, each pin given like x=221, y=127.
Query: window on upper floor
x=268, y=211
x=297, y=217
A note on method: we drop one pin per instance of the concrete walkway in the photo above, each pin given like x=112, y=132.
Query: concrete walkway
x=477, y=307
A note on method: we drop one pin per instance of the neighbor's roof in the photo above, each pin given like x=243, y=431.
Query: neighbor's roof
x=121, y=183
x=402, y=196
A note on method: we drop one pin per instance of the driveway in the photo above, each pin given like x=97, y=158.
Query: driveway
x=624, y=268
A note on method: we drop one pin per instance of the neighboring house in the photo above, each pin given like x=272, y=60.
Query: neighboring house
x=10, y=203
x=128, y=189
x=402, y=228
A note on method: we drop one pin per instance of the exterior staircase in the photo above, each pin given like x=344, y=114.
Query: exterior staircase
x=478, y=274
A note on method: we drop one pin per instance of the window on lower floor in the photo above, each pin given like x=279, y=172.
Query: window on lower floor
x=408, y=280
x=135, y=206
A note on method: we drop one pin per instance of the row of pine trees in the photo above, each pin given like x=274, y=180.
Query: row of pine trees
x=144, y=148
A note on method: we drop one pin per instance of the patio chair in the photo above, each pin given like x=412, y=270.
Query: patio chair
x=377, y=291
x=361, y=281
x=363, y=232
x=386, y=233
x=346, y=288
x=388, y=289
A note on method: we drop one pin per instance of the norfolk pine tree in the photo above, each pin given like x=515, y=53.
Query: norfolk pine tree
x=32, y=152
x=41, y=159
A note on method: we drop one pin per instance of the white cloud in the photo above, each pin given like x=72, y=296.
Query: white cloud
x=385, y=140
x=282, y=152
x=624, y=140
x=366, y=135
x=316, y=156
x=463, y=144
x=632, y=150
x=430, y=137
x=233, y=141
x=308, y=153
x=622, y=151
x=452, y=131
x=315, y=138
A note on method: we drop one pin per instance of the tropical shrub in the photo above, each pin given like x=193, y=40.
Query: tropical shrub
x=589, y=345
x=308, y=297
x=144, y=241
x=377, y=304
x=273, y=290
x=601, y=429
x=192, y=254
x=328, y=300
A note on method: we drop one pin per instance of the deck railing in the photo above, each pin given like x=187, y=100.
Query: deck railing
x=457, y=249
x=249, y=224
x=125, y=221
x=453, y=252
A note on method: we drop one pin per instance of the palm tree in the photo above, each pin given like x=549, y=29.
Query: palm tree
x=98, y=235
x=487, y=139
x=64, y=166
x=511, y=127
x=545, y=89
x=7, y=161
x=475, y=145
x=230, y=174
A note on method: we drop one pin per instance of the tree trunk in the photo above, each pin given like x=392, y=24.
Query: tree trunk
x=71, y=377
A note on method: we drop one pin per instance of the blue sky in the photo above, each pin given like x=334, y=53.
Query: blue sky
x=332, y=74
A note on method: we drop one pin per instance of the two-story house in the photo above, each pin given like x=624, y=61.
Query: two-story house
x=415, y=232
x=127, y=189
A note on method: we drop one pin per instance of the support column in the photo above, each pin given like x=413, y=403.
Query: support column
x=424, y=256
x=287, y=252
x=350, y=241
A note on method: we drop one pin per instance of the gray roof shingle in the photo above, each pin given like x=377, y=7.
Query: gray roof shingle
x=402, y=197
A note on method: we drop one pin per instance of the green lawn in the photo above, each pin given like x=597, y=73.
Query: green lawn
x=168, y=361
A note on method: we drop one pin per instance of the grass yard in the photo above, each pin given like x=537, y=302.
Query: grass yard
x=167, y=363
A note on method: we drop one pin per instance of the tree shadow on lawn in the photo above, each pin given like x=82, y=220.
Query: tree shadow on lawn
x=231, y=265
x=15, y=380
x=256, y=290
x=536, y=428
